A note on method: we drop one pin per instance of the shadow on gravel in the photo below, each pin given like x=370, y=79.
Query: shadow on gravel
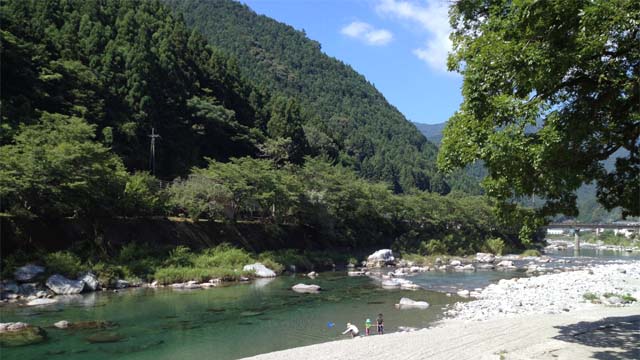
x=621, y=333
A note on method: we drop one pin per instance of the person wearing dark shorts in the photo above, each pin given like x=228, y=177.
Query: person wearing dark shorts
x=380, y=323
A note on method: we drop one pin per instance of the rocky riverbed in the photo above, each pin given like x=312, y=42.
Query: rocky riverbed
x=609, y=285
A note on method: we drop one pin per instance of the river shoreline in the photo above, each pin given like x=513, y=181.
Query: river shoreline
x=584, y=330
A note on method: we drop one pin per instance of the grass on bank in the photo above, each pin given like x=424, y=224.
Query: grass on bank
x=138, y=263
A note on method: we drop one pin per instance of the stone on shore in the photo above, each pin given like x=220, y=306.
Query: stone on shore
x=485, y=258
x=20, y=334
x=28, y=272
x=406, y=303
x=304, y=288
x=260, y=270
x=380, y=258
x=90, y=281
x=122, y=284
x=63, y=286
x=40, y=302
x=506, y=264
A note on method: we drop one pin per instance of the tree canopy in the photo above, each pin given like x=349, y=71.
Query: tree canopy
x=551, y=91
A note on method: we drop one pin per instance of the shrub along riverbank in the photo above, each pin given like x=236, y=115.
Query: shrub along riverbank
x=259, y=206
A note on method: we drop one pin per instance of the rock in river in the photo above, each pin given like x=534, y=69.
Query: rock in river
x=39, y=302
x=304, y=288
x=63, y=286
x=28, y=272
x=90, y=281
x=104, y=337
x=380, y=258
x=260, y=270
x=19, y=334
x=406, y=303
x=485, y=258
x=62, y=324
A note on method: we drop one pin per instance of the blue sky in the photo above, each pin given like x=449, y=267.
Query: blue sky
x=398, y=45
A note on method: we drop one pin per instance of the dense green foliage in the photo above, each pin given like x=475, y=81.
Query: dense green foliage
x=85, y=82
x=341, y=207
x=346, y=117
x=125, y=67
x=569, y=67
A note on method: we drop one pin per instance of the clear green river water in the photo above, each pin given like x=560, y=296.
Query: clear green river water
x=231, y=322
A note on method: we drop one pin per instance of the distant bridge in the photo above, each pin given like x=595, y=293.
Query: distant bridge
x=592, y=226
x=576, y=227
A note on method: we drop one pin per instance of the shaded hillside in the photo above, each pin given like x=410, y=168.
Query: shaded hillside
x=126, y=67
x=346, y=118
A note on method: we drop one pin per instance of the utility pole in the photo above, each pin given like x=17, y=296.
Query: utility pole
x=152, y=154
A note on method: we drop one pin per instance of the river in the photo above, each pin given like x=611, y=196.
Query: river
x=230, y=322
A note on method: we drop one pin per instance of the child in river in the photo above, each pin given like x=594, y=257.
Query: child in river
x=380, y=323
x=367, y=327
x=351, y=329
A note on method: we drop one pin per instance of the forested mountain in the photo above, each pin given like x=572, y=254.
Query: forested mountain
x=433, y=132
x=346, y=117
x=127, y=67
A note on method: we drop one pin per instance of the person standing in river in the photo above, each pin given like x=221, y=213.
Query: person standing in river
x=380, y=323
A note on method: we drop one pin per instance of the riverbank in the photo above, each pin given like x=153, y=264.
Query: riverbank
x=585, y=329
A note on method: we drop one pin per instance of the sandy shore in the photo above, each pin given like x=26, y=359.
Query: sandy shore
x=595, y=332
x=585, y=331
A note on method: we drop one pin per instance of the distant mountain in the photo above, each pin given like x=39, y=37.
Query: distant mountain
x=433, y=132
x=346, y=117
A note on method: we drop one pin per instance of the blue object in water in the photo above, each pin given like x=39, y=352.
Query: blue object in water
x=330, y=324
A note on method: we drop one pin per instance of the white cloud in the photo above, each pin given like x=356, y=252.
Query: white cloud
x=433, y=17
x=367, y=33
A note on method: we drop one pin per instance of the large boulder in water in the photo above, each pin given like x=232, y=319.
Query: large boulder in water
x=380, y=258
x=406, y=303
x=260, y=270
x=304, y=288
x=28, y=272
x=91, y=282
x=20, y=334
x=63, y=286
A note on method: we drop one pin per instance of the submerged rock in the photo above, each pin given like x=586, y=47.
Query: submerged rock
x=304, y=288
x=28, y=272
x=104, y=337
x=63, y=286
x=260, y=270
x=20, y=334
x=355, y=273
x=91, y=325
x=406, y=303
